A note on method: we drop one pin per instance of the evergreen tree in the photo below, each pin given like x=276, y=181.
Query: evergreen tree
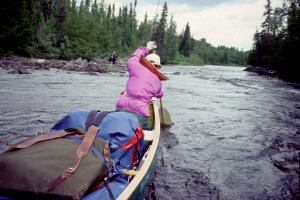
x=45, y=34
x=45, y=7
x=160, y=31
x=171, y=46
x=267, y=24
x=278, y=45
x=16, y=26
x=94, y=8
x=87, y=3
x=60, y=16
x=143, y=30
x=290, y=50
x=185, y=45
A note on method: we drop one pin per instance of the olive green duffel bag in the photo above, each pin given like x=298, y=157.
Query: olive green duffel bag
x=54, y=168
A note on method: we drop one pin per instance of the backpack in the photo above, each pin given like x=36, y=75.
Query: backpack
x=39, y=168
x=122, y=130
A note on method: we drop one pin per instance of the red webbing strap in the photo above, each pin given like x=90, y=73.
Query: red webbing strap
x=80, y=152
x=44, y=137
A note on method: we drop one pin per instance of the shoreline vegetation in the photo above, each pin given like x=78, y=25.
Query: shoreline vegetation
x=92, y=30
x=277, y=45
x=66, y=30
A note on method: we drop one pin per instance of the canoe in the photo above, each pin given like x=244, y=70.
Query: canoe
x=139, y=184
x=139, y=178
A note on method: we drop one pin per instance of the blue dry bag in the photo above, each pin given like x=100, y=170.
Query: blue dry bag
x=121, y=129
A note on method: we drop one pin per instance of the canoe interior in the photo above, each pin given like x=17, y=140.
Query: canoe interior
x=139, y=184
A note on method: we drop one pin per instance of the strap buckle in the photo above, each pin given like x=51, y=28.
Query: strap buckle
x=70, y=170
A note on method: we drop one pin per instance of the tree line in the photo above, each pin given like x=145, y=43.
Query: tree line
x=277, y=45
x=65, y=29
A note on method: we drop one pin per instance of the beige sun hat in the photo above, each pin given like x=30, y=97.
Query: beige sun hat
x=150, y=66
x=154, y=59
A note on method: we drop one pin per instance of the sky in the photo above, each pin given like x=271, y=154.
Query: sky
x=231, y=23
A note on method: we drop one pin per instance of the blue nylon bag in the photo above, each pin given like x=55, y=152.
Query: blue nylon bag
x=121, y=129
x=116, y=187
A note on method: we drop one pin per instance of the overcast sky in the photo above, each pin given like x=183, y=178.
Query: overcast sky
x=231, y=23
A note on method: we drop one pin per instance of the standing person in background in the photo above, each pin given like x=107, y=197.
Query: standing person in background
x=113, y=57
x=141, y=86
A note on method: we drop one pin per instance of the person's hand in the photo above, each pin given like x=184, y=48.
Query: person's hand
x=151, y=45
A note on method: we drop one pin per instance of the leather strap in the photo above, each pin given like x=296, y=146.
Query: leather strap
x=91, y=148
x=80, y=152
x=40, y=138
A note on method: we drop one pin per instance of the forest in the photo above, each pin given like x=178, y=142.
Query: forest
x=277, y=45
x=68, y=29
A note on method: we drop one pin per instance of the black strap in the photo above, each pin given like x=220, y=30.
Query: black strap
x=91, y=118
x=100, y=117
x=109, y=190
x=76, y=130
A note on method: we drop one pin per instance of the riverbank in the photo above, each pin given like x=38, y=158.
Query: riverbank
x=290, y=76
x=23, y=65
x=262, y=71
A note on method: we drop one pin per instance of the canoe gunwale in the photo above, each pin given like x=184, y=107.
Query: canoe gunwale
x=148, y=157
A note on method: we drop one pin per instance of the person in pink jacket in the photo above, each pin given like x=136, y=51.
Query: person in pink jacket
x=141, y=86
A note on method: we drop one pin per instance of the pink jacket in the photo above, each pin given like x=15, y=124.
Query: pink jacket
x=141, y=86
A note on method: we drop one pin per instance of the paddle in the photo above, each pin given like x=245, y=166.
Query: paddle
x=165, y=118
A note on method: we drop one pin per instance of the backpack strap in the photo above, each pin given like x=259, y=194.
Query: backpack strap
x=40, y=138
x=100, y=117
x=91, y=118
x=109, y=190
x=96, y=122
x=105, y=157
x=104, y=183
x=84, y=146
x=80, y=153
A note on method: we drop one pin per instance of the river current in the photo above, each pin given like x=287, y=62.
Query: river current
x=236, y=135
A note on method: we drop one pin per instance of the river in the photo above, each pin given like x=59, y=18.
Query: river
x=236, y=135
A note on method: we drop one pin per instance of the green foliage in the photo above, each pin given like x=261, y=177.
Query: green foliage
x=171, y=41
x=16, y=26
x=159, y=34
x=185, y=47
x=192, y=60
x=65, y=29
x=277, y=46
